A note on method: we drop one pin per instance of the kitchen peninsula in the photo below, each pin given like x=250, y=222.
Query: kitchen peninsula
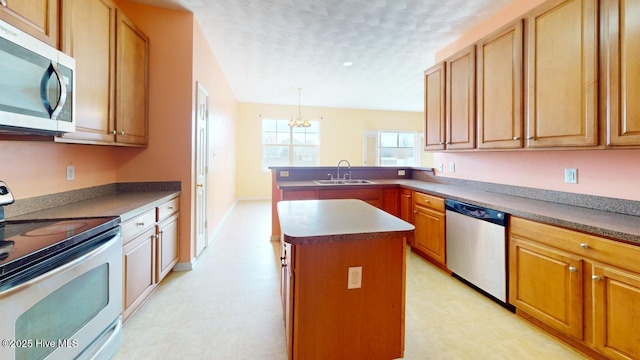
x=343, y=279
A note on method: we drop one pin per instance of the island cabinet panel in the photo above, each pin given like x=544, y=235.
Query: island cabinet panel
x=299, y=195
x=562, y=69
x=38, y=18
x=434, y=107
x=623, y=71
x=582, y=288
x=500, y=89
x=333, y=322
x=461, y=100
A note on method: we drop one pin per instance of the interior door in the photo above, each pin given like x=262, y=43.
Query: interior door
x=370, y=148
x=202, y=104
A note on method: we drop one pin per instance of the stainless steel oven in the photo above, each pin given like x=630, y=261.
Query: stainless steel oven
x=60, y=288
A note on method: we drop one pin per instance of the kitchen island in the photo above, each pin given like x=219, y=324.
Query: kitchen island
x=343, y=279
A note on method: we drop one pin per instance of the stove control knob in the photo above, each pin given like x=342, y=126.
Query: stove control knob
x=4, y=190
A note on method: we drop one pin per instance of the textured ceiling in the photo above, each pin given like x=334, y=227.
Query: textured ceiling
x=268, y=48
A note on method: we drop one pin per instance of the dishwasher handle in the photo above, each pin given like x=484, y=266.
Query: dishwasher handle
x=478, y=212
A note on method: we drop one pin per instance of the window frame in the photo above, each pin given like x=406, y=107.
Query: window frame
x=291, y=145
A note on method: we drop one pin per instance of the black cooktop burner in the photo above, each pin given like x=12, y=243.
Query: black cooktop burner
x=25, y=243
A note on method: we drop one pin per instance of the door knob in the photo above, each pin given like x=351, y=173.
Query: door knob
x=199, y=185
x=3, y=3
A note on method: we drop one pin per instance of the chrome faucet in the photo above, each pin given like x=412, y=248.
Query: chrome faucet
x=338, y=170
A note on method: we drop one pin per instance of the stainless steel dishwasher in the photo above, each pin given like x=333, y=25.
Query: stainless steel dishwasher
x=477, y=248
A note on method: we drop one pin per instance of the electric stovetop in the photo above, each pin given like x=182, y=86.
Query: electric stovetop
x=26, y=243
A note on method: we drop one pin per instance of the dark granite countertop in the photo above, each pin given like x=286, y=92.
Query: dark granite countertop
x=320, y=221
x=126, y=205
x=598, y=222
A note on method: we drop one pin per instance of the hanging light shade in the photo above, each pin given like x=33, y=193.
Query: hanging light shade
x=299, y=121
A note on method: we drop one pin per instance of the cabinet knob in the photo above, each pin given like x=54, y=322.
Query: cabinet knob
x=529, y=137
x=112, y=131
x=406, y=195
x=595, y=277
x=584, y=246
x=441, y=143
x=415, y=211
x=3, y=3
x=140, y=223
x=169, y=207
x=516, y=138
x=448, y=142
x=427, y=201
x=572, y=269
x=121, y=132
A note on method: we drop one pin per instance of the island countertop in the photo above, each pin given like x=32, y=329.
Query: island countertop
x=319, y=221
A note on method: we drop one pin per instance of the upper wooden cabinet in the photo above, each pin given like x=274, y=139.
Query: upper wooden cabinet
x=623, y=71
x=132, y=83
x=500, y=88
x=111, y=74
x=89, y=36
x=461, y=99
x=38, y=18
x=562, y=69
x=434, y=107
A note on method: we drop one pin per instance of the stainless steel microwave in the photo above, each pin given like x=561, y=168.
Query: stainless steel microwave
x=36, y=85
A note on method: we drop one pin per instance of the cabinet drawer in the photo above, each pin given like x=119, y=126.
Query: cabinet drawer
x=137, y=225
x=589, y=246
x=170, y=207
x=428, y=201
x=299, y=195
x=367, y=195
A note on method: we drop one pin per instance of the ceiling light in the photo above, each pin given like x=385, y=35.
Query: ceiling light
x=347, y=63
x=299, y=121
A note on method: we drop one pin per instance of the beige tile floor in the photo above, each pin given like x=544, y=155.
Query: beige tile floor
x=229, y=308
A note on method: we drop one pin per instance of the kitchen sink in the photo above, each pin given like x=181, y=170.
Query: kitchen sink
x=343, y=182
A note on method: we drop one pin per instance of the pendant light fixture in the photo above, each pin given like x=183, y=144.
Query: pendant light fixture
x=299, y=121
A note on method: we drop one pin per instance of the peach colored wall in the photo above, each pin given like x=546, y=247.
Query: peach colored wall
x=33, y=168
x=223, y=106
x=168, y=156
x=610, y=173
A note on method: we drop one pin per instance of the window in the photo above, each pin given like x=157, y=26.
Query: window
x=283, y=145
x=392, y=148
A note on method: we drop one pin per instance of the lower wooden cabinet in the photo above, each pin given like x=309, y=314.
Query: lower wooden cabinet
x=406, y=210
x=150, y=251
x=429, y=220
x=582, y=288
x=139, y=263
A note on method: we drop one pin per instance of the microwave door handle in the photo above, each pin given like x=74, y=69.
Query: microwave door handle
x=62, y=98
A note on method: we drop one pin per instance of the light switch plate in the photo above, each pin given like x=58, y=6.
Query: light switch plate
x=452, y=167
x=355, y=277
x=71, y=172
x=571, y=176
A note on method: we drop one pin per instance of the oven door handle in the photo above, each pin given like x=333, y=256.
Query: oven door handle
x=97, y=251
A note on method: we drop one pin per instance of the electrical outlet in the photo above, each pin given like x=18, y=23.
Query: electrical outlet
x=571, y=176
x=355, y=278
x=441, y=167
x=71, y=172
x=284, y=173
x=452, y=167
x=400, y=172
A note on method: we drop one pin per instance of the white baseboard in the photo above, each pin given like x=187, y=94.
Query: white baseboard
x=188, y=266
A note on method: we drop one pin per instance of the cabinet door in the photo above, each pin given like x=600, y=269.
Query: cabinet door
x=167, y=246
x=616, y=295
x=500, y=89
x=88, y=35
x=406, y=202
x=461, y=100
x=39, y=18
x=429, y=233
x=286, y=292
x=132, y=83
x=139, y=270
x=391, y=201
x=434, y=107
x=562, y=74
x=623, y=72
x=546, y=283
